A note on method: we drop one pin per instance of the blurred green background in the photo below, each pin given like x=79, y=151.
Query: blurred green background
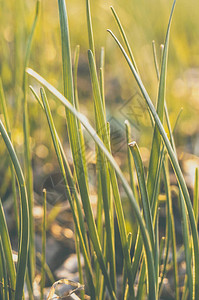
x=143, y=22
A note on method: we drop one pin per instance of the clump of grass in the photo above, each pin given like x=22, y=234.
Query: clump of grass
x=149, y=261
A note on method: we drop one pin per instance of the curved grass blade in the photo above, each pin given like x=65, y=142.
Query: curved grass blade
x=27, y=154
x=69, y=176
x=7, y=126
x=156, y=142
x=60, y=160
x=174, y=162
x=24, y=234
x=123, y=35
x=93, y=134
x=7, y=251
x=71, y=185
x=155, y=60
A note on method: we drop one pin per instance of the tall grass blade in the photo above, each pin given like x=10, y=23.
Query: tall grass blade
x=77, y=152
x=76, y=103
x=173, y=159
x=143, y=191
x=103, y=168
x=125, y=184
x=27, y=153
x=24, y=217
x=156, y=142
x=43, y=256
x=61, y=164
x=185, y=225
x=69, y=176
x=75, y=141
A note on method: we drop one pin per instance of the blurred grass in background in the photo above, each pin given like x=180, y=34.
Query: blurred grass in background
x=143, y=21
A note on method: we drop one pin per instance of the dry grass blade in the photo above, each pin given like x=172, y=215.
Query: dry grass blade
x=76, y=287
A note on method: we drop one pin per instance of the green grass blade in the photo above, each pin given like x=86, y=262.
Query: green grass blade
x=143, y=191
x=103, y=168
x=124, y=37
x=27, y=153
x=195, y=199
x=124, y=284
x=76, y=60
x=162, y=246
x=24, y=234
x=155, y=60
x=188, y=254
x=76, y=100
x=4, y=293
x=101, y=77
x=187, y=242
x=7, y=126
x=61, y=164
x=43, y=256
x=74, y=138
x=142, y=279
x=69, y=176
x=130, y=161
x=66, y=52
x=172, y=224
x=47, y=269
x=167, y=247
x=174, y=162
x=126, y=186
x=75, y=142
x=170, y=217
x=90, y=29
x=156, y=142
x=7, y=250
x=157, y=250
x=80, y=267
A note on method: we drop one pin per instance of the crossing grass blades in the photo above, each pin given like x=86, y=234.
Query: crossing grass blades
x=145, y=268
